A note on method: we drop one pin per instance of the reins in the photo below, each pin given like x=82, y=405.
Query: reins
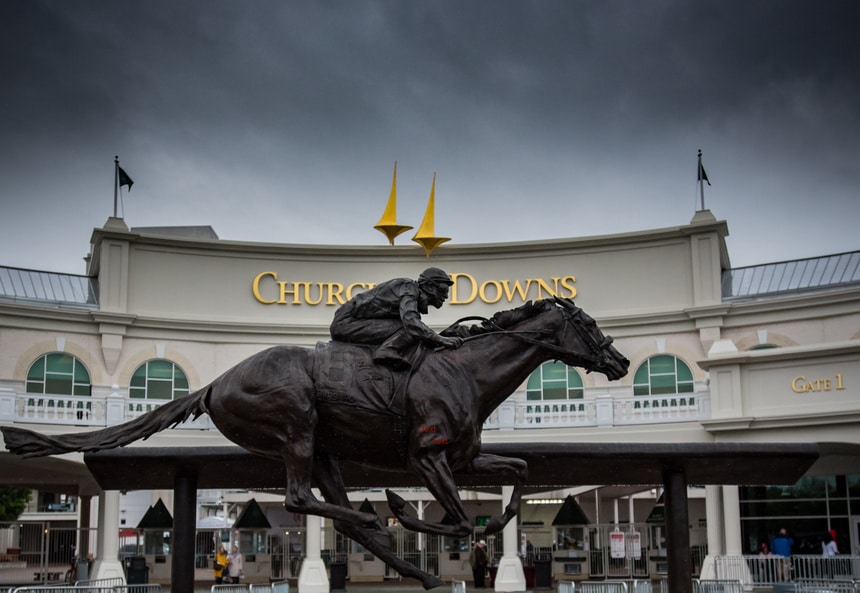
x=593, y=356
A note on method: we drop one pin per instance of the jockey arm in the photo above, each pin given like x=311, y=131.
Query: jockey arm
x=411, y=318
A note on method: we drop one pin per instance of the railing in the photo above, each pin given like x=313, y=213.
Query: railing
x=77, y=410
x=61, y=409
x=765, y=571
x=604, y=411
x=458, y=586
x=566, y=586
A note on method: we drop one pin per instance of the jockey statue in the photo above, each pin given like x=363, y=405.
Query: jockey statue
x=389, y=316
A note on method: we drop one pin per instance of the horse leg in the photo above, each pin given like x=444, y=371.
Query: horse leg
x=436, y=474
x=298, y=457
x=506, y=466
x=376, y=539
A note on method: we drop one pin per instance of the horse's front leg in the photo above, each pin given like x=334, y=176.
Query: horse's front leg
x=433, y=468
x=518, y=470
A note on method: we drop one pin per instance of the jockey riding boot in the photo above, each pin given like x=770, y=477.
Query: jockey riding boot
x=396, y=351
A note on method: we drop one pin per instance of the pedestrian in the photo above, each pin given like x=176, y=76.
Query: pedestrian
x=764, y=563
x=220, y=564
x=781, y=546
x=479, y=563
x=835, y=542
x=234, y=565
x=828, y=546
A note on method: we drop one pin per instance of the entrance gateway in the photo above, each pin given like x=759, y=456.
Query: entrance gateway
x=551, y=466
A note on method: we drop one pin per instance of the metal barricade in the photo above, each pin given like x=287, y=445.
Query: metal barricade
x=88, y=588
x=458, y=586
x=718, y=586
x=231, y=588
x=603, y=587
x=633, y=585
x=277, y=587
x=111, y=582
x=825, y=586
x=565, y=586
x=812, y=567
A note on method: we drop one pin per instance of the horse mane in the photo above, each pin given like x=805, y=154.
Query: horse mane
x=504, y=319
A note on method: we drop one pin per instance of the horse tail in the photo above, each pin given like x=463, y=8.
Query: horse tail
x=27, y=443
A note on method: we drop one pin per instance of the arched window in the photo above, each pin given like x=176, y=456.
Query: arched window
x=158, y=379
x=554, y=380
x=58, y=374
x=663, y=374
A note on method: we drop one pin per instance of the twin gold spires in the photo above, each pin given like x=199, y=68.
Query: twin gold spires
x=425, y=236
x=387, y=225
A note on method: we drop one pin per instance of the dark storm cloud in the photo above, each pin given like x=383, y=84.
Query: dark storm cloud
x=591, y=111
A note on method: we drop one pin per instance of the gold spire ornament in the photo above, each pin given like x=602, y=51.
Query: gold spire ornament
x=426, y=233
x=387, y=225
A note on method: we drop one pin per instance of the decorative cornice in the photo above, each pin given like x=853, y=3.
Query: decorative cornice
x=776, y=422
x=804, y=352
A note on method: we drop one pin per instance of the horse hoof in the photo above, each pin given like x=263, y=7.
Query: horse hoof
x=493, y=526
x=431, y=582
x=395, y=501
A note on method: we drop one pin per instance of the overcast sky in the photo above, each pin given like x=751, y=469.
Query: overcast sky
x=280, y=121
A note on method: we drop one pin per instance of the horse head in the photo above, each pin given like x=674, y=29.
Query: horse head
x=582, y=343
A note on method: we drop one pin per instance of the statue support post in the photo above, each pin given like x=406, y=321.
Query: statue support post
x=312, y=576
x=510, y=576
x=184, y=528
x=678, y=531
x=107, y=565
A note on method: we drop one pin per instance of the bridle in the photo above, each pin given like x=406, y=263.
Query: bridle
x=572, y=316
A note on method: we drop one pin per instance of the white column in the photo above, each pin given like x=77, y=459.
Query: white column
x=510, y=576
x=732, y=520
x=714, y=518
x=107, y=565
x=312, y=576
x=630, y=510
x=420, y=512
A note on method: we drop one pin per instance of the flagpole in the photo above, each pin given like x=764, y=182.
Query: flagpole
x=701, y=180
x=116, y=182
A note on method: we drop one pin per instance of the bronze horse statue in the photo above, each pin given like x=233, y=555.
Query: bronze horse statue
x=312, y=408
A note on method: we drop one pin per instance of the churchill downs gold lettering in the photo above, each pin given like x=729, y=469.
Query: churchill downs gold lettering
x=269, y=290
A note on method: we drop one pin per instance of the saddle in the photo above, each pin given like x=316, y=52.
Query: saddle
x=347, y=374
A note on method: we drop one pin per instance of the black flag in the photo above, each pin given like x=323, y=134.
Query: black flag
x=124, y=179
x=702, y=175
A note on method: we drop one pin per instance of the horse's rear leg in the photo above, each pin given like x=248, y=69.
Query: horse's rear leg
x=375, y=538
x=298, y=456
